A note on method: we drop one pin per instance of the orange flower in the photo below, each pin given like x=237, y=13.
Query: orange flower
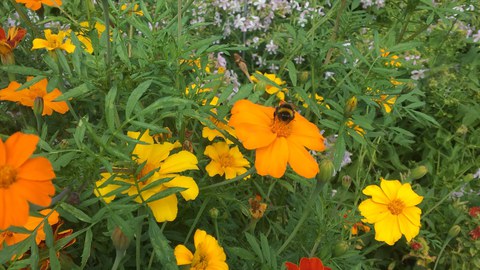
x=257, y=208
x=9, y=41
x=280, y=136
x=23, y=179
x=28, y=96
x=307, y=264
x=33, y=224
x=37, y=4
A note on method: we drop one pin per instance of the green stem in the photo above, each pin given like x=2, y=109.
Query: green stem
x=118, y=258
x=138, y=237
x=108, y=57
x=303, y=218
x=197, y=218
x=449, y=238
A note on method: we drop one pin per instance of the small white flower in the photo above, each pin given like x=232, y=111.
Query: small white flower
x=271, y=47
x=298, y=60
x=329, y=74
x=273, y=68
x=476, y=37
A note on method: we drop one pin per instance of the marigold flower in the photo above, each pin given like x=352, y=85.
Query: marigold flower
x=58, y=235
x=277, y=142
x=257, y=208
x=85, y=40
x=12, y=238
x=474, y=211
x=28, y=96
x=208, y=253
x=37, y=4
x=393, y=210
x=54, y=41
x=156, y=158
x=225, y=160
x=475, y=233
x=132, y=9
x=270, y=88
x=211, y=134
x=307, y=264
x=387, y=101
x=355, y=127
x=359, y=226
x=23, y=179
x=8, y=42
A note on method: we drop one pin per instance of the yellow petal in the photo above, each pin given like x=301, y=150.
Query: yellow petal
x=377, y=194
x=408, y=196
x=103, y=189
x=179, y=162
x=199, y=237
x=412, y=214
x=372, y=211
x=187, y=182
x=390, y=188
x=183, y=255
x=164, y=209
x=213, y=168
x=388, y=230
x=272, y=160
x=39, y=43
x=407, y=228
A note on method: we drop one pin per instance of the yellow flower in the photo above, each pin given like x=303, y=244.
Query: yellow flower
x=157, y=164
x=85, y=40
x=355, y=127
x=393, y=59
x=393, y=210
x=270, y=88
x=225, y=161
x=208, y=253
x=130, y=10
x=211, y=134
x=201, y=91
x=387, y=101
x=54, y=41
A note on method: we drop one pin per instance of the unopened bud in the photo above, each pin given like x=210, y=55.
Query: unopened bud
x=304, y=75
x=38, y=106
x=120, y=240
x=346, y=181
x=454, y=231
x=340, y=248
x=350, y=106
x=418, y=172
x=214, y=213
x=326, y=170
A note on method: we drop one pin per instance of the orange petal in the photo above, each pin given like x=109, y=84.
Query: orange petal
x=272, y=160
x=38, y=193
x=20, y=147
x=3, y=152
x=14, y=209
x=300, y=159
x=36, y=169
x=306, y=133
x=254, y=136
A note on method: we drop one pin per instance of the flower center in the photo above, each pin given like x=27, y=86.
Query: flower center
x=8, y=176
x=147, y=168
x=396, y=207
x=226, y=160
x=281, y=128
x=199, y=262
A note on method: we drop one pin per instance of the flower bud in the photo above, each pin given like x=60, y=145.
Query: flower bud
x=120, y=240
x=304, y=76
x=214, y=213
x=38, y=106
x=454, y=231
x=418, y=172
x=340, y=248
x=346, y=181
x=326, y=170
x=350, y=106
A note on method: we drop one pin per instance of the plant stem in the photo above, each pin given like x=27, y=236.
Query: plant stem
x=118, y=258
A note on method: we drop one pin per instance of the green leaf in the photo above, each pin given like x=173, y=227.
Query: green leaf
x=292, y=72
x=161, y=246
x=74, y=92
x=23, y=70
x=111, y=109
x=75, y=212
x=135, y=97
x=256, y=248
x=87, y=246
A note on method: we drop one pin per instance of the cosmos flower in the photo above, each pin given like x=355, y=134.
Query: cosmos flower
x=392, y=208
x=37, y=4
x=54, y=41
x=307, y=264
x=157, y=164
x=8, y=42
x=278, y=138
x=208, y=253
x=23, y=179
x=225, y=160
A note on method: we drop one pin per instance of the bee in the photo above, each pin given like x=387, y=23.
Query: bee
x=284, y=112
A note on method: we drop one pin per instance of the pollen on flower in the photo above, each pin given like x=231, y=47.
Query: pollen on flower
x=8, y=176
x=396, y=206
x=281, y=128
x=226, y=160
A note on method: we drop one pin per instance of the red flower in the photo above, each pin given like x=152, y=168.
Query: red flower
x=307, y=264
x=474, y=211
x=475, y=233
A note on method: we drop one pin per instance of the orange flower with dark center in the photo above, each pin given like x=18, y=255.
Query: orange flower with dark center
x=23, y=179
x=280, y=136
x=10, y=40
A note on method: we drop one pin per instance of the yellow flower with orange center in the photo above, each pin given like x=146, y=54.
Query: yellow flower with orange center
x=23, y=179
x=208, y=253
x=37, y=4
x=279, y=135
x=54, y=42
x=157, y=163
x=225, y=160
x=392, y=208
